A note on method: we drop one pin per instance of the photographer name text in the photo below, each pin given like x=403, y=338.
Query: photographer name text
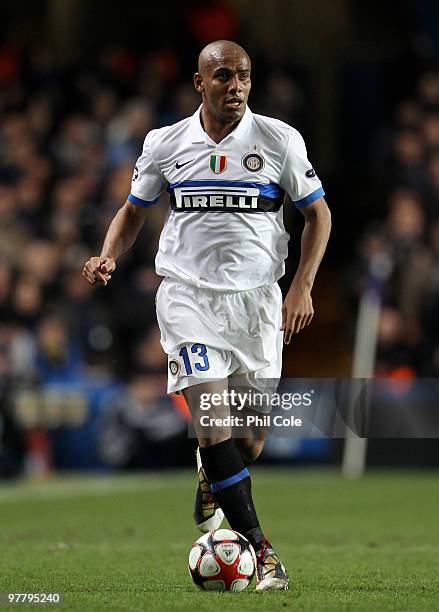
x=266, y=420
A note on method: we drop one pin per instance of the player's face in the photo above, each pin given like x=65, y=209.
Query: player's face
x=225, y=85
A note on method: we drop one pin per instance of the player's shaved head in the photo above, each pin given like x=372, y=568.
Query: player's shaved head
x=219, y=51
x=224, y=81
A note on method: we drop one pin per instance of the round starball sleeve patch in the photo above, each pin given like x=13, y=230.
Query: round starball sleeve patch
x=253, y=162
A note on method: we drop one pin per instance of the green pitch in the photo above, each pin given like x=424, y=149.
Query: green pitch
x=122, y=543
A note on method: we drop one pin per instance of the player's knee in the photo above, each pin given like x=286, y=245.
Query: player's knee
x=249, y=449
x=213, y=439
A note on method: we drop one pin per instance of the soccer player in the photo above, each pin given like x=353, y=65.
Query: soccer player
x=221, y=253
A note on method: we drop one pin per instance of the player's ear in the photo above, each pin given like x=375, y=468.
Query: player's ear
x=198, y=82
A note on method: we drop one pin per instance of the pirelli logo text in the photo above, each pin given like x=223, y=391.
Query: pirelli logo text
x=219, y=199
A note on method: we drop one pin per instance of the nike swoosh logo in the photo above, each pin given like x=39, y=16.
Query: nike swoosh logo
x=178, y=166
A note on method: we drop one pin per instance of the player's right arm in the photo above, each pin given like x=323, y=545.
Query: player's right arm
x=146, y=186
x=120, y=237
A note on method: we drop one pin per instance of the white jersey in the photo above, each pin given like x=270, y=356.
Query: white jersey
x=225, y=227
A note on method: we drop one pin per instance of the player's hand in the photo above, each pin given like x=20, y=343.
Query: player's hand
x=99, y=270
x=297, y=311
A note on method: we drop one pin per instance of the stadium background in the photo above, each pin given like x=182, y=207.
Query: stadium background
x=82, y=373
x=82, y=370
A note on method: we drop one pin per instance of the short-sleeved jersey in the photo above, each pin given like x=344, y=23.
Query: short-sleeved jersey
x=224, y=230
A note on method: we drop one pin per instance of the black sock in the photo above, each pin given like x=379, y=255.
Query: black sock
x=231, y=485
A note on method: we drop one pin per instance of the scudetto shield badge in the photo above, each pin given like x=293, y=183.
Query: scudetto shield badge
x=218, y=163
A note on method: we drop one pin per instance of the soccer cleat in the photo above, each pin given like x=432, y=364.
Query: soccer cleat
x=270, y=573
x=207, y=513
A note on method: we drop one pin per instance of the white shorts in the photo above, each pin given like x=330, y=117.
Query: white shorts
x=211, y=335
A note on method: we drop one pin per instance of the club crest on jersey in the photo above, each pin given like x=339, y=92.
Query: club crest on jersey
x=218, y=163
x=253, y=162
x=174, y=367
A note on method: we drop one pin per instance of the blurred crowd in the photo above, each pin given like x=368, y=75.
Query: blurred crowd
x=399, y=253
x=69, y=138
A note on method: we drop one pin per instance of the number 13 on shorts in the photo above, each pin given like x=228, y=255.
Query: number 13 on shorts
x=195, y=356
x=191, y=364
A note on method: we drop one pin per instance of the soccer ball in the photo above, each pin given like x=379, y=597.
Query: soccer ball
x=222, y=560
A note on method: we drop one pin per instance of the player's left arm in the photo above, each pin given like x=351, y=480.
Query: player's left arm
x=297, y=309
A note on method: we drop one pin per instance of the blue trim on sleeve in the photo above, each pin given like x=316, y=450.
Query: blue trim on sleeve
x=139, y=202
x=228, y=482
x=266, y=190
x=309, y=199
